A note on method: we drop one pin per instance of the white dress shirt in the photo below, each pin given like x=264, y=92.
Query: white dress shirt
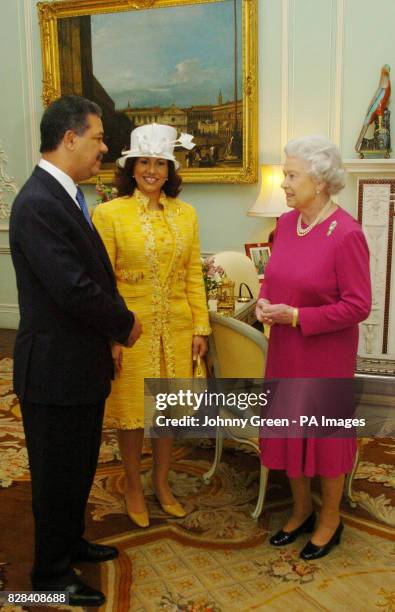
x=64, y=179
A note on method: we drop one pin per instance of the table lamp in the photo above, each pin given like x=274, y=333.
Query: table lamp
x=271, y=199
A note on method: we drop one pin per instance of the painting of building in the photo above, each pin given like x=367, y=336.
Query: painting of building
x=197, y=74
x=184, y=85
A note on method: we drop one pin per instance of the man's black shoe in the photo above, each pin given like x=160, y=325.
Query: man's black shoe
x=79, y=593
x=95, y=553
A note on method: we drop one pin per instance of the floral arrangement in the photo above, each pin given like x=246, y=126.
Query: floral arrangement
x=105, y=193
x=212, y=276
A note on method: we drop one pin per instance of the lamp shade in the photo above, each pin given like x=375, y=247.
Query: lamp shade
x=271, y=199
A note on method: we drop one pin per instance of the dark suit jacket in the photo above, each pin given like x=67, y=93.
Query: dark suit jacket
x=69, y=306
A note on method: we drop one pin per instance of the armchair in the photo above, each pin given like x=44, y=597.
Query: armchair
x=237, y=350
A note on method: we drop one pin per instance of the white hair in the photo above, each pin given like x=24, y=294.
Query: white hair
x=323, y=160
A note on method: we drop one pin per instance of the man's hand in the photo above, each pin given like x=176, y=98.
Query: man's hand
x=116, y=351
x=199, y=346
x=136, y=332
x=269, y=314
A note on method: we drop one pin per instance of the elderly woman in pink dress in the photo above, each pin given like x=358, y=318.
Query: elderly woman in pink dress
x=316, y=291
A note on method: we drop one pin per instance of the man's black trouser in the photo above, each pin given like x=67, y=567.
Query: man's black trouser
x=63, y=444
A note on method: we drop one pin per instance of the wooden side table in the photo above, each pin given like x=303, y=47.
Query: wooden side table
x=244, y=311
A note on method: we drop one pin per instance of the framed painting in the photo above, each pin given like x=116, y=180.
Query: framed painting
x=259, y=253
x=191, y=64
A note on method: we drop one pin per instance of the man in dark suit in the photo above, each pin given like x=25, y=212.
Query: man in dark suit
x=70, y=312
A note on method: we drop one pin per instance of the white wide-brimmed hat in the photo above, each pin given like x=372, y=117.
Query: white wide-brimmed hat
x=155, y=140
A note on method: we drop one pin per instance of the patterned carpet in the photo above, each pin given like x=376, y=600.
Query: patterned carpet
x=216, y=559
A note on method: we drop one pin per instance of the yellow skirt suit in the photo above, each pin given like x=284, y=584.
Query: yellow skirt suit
x=156, y=260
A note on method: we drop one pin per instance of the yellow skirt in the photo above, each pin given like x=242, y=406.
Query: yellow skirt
x=125, y=405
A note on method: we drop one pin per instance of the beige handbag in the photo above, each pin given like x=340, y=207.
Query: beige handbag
x=199, y=368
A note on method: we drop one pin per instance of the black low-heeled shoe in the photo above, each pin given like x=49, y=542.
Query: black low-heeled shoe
x=282, y=538
x=312, y=551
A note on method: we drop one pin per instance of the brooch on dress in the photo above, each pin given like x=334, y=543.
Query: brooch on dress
x=331, y=228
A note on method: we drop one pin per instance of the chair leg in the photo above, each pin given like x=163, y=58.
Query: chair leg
x=219, y=443
x=348, y=490
x=263, y=478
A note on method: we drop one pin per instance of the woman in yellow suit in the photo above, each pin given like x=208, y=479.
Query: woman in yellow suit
x=152, y=240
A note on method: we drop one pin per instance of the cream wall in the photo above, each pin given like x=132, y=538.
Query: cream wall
x=319, y=64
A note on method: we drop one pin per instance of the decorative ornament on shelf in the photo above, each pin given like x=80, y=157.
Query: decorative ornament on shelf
x=105, y=193
x=375, y=137
x=212, y=275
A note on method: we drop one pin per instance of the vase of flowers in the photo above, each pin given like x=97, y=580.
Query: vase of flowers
x=212, y=276
x=105, y=193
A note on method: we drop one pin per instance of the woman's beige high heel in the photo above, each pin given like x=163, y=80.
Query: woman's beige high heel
x=175, y=509
x=141, y=519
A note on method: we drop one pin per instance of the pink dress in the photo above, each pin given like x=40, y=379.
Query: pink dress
x=326, y=275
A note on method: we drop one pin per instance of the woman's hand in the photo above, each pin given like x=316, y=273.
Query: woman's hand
x=116, y=351
x=269, y=314
x=260, y=310
x=199, y=346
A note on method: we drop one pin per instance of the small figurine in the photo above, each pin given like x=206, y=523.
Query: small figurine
x=226, y=298
x=377, y=114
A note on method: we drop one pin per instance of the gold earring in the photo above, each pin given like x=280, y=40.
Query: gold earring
x=318, y=191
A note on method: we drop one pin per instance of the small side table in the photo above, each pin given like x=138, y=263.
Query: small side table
x=244, y=311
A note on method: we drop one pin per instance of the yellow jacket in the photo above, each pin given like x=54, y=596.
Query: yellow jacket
x=157, y=265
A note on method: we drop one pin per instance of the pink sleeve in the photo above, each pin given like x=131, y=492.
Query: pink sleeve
x=263, y=291
x=355, y=301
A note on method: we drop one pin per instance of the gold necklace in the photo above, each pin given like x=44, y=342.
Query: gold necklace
x=303, y=231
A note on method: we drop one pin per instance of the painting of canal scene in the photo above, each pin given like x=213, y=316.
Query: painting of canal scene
x=176, y=62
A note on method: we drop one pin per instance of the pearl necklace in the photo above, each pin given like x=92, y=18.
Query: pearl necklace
x=303, y=231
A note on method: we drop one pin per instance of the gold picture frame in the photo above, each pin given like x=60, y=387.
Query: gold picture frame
x=226, y=132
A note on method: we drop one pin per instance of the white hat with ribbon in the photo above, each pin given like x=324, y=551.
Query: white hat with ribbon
x=155, y=140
